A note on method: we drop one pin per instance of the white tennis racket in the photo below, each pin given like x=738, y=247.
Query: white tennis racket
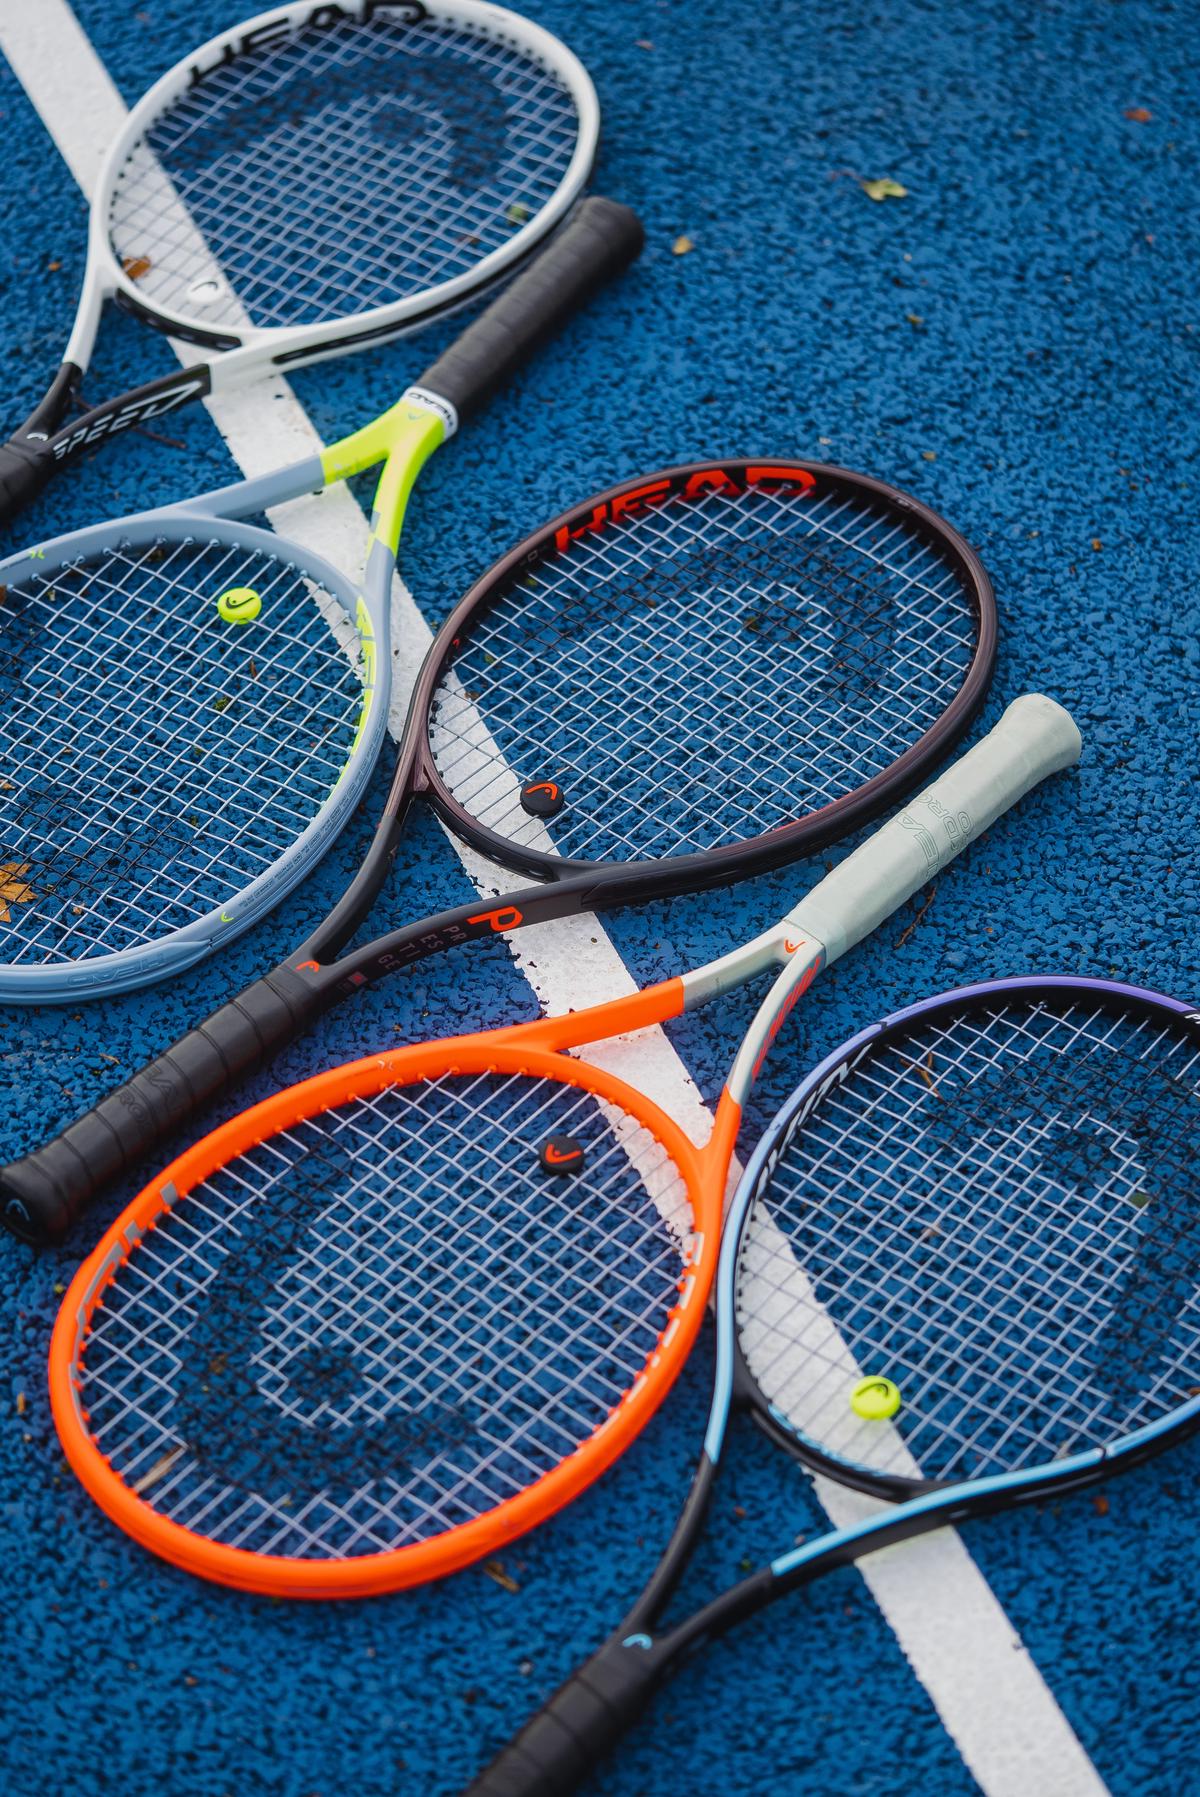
x=316, y=179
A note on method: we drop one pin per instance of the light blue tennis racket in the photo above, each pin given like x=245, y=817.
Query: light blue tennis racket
x=192, y=704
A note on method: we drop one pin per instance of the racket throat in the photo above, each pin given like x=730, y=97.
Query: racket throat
x=407, y=432
x=50, y=411
x=667, y=1574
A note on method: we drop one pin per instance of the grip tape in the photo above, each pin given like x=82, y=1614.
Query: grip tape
x=25, y=468
x=43, y=1194
x=559, y=1747
x=26, y=460
x=1034, y=738
x=600, y=239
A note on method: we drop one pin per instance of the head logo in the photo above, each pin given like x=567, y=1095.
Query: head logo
x=688, y=483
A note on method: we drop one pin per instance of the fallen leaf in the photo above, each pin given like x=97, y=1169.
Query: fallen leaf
x=13, y=888
x=136, y=266
x=53, y=267
x=1140, y=115
x=1100, y=1504
x=495, y=1570
x=643, y=43
x=929, y=455
x=884, y=189
x=20, y=1403
x=159, y=1470
x=517, y=214
x=914, y=318
x=1097, y=544
x=681, y=246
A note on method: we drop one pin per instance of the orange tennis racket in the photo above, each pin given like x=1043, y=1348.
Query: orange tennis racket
x=389, y=1318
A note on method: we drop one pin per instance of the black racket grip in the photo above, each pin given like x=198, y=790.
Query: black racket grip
x=27, y=460
x=559, y=1747
x=598, y=242
x=43, y=1194
x=25, y=468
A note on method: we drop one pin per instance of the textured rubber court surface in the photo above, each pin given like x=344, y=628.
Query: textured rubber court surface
x=1015, y=342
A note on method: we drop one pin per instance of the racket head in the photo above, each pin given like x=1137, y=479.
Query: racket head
x=359, y=1335
x=158, y=796
x=715, y=668
x=278, y=138
x=990, y=1199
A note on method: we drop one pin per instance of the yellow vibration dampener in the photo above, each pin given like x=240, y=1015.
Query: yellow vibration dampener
x=240, y=605
x=875, y=1399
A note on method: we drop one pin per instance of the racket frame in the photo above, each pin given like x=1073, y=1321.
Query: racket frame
x=46, y=1191
x=252, y=350
x=787, y=842
x=592, y=246
x=597, y=1704
x=1034, y=738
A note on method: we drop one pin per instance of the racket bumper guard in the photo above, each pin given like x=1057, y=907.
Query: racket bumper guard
x=42, y=1195
x=576, y=1728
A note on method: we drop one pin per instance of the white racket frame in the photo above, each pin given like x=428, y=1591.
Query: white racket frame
x=257, y=348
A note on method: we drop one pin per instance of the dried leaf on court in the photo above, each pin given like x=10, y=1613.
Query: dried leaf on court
x=517, y=214
x=1141, y=115
x=495, y=1570
x=136, y=266
x=681, y=246
x=14, y=889
x=884, y=189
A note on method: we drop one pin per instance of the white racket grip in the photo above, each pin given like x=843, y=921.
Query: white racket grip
x=1035, y=737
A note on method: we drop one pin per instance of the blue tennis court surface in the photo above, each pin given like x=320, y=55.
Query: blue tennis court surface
x=1014, y=341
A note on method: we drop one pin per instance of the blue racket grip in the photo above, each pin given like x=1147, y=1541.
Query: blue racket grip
x=42, y=1195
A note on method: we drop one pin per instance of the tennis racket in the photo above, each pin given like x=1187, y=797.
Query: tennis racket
x=684, y=679
x=193, y=705
x=960, y=1273
x=317, y=179
x=390, y=1318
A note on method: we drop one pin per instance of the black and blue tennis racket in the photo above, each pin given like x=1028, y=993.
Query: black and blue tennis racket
x=961, y=1274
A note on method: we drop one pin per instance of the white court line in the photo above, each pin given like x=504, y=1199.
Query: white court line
x=981, y=1679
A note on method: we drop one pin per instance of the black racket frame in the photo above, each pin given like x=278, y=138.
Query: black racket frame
x=43, y=1194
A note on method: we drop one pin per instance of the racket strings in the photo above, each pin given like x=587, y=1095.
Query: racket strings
x=156, y=759
x=1000, y=1215
x=382, y=1323
x=256, y=194
x=702, y=673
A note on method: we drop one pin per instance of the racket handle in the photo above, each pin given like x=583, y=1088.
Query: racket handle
x=43, y=1194
x=26, y=460
x=25, y=468
x=559, y=1747
x=1034, y=738
x=600, y=239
